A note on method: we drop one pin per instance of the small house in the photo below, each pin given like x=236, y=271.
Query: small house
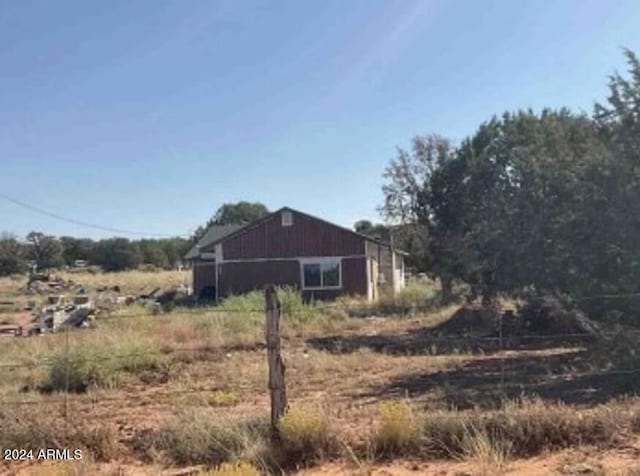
x=291, y=248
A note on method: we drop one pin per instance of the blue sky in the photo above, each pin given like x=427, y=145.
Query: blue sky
x=147, y=115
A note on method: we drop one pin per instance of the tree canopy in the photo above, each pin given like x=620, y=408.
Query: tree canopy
x=239, y=213
x=545, y=203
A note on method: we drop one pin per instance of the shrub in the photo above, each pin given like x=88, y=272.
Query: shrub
x=398, y=431
x=201, y=436
x=306, y=434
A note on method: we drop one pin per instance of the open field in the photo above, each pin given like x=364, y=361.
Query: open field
x=377, y=391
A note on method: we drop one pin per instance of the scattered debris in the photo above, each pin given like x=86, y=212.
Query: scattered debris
x=44, y=283
x=60, y=312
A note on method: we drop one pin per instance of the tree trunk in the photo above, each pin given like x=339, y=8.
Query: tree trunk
x=446, y=286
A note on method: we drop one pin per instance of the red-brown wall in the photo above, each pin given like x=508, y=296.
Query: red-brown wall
x=242, y=277
x=204, y=274
x=307, y=236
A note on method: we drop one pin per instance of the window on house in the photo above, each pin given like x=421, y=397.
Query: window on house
x=321, y=274
x=287, y=218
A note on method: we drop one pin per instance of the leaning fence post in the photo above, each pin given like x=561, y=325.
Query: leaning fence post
x=277, y=388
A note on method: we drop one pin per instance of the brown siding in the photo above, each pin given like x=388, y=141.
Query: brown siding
x=354, y=276
x=204, y=274
x=306, y=237
x=239, y=278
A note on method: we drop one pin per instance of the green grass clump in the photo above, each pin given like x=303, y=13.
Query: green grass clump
x=292, y=305
x=86, y=365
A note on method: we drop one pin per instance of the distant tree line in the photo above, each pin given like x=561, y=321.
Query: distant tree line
x=532, y=203
x=112, y=254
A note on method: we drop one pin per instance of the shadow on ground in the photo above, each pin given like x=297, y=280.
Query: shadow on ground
x=575, y=369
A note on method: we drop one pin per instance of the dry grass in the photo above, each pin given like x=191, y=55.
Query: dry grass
x=398, y=430
x=307, y=434
x=525, y=427
x=209, y=363
x=487, y=454
x=22, y=427
x=240, y=468
x=130, y=282
x=203, y=436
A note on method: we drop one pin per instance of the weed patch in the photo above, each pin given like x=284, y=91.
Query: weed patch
x=398, y=429
x=201, y=436
x=233, y=469
x=306, y=434
x=88, y=365
x=23, y=428
x=526, y=427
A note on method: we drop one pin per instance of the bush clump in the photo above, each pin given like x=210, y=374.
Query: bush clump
x=398, y=429
x=88, y=365
x=201, y=436
x=306, y=434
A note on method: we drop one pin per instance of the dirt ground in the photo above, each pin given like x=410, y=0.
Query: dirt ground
x=587, y=461
x=347, y=367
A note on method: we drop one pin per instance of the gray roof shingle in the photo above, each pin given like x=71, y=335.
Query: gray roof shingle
x=213, y=234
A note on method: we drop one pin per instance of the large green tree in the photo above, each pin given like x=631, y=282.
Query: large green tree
x=76, y=249
x=528, y=192
x=426, y=229
x=44, y=250
x=12, y=255
x=117, y=254
x=239, y=213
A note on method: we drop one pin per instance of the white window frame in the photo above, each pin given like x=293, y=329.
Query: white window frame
x=320, y=261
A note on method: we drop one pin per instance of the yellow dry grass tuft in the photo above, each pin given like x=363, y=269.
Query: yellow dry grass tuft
x=398, y=430
x=307, y=434
x=239, y=468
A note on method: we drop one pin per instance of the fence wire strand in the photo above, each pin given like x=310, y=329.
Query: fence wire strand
x=503, y=340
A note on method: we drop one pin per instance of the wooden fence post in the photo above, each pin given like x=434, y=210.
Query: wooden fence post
x=277, y=387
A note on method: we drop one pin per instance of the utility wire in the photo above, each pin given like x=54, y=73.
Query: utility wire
x=83, y=223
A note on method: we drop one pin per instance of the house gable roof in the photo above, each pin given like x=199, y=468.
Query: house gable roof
x=259, y=221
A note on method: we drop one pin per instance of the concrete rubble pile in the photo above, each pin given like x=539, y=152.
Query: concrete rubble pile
x=59, y=312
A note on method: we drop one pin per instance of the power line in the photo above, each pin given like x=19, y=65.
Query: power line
x=73, y=221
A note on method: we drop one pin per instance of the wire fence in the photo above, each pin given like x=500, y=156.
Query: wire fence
x=501, y=380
